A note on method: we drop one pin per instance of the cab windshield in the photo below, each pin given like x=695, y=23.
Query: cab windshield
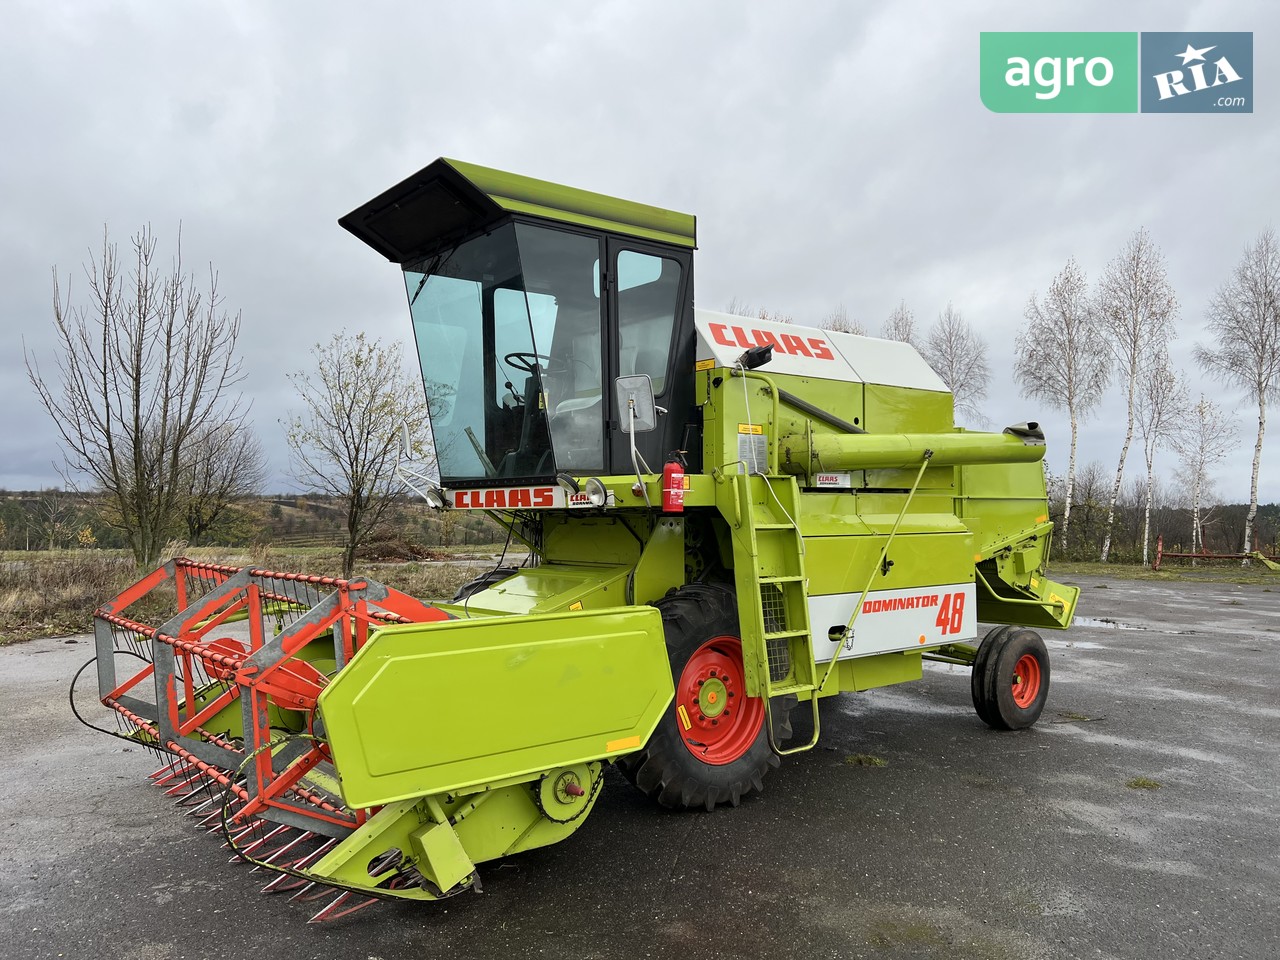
x=508, y=331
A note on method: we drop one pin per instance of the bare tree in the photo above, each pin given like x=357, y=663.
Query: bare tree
x=1061, y=358
x=56, y=515
x=743, y=309
x=959, y=356
x=839, y=321
x=1138, y=310
x=1162, y=402
x=1244, y=318
x=901, y=325
x=345, y=440
x=1090, y=497
x=1203, y=441
x=143, y=370
x=225, y=466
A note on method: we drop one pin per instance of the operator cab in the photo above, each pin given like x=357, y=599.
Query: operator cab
x=524, y=320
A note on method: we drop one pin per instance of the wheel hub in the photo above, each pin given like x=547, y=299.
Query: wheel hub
x=713, y=697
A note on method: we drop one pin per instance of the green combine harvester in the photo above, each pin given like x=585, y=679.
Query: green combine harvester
x=726, y=519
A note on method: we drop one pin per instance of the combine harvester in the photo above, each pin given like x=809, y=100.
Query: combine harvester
x=816, y=524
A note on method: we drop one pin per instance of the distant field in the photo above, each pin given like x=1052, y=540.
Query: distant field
x=54, y=593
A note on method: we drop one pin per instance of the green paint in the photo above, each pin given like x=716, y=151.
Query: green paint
x=541, y=198
x=493, y=698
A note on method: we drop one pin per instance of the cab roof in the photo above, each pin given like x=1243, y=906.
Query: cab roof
x=448, y=200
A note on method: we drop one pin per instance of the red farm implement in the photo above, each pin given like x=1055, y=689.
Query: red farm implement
x=225, y=691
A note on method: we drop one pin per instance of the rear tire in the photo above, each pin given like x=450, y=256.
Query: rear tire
x=1010, y=678
x=711, y=746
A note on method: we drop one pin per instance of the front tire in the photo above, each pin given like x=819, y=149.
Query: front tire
x=711, y=746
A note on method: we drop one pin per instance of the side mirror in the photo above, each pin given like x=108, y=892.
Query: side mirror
x=405, y=443
x=636, y=409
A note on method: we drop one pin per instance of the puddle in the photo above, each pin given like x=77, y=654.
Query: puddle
x=1104, y=622
x=1074, y=644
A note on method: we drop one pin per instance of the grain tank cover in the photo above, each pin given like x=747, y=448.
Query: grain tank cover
x=810, y=352
x=448, y=200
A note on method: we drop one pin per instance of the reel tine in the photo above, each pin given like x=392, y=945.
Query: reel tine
x=317, y=854
x=266, y=838
x=167, y=775
x=285, y=882
x=279, y=852
x=336, y=910
x=175, y=790
x=165, y=770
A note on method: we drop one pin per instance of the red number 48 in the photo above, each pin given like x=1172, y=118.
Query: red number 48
x=950, y=613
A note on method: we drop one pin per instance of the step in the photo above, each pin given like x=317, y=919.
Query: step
x=775, y=526
x=784, y=634
x=787, y=579
x=782, y=689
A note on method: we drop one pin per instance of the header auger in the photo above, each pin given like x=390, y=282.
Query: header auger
x=727, y=520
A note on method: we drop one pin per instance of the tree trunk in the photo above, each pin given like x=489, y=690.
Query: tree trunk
x=1146, y=514
x=1253, y=483
x=1115, y=491
x=1071, y=486
x=1195, y=516
x=355, y=513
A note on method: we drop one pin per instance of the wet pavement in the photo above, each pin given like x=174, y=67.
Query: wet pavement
x=965, y=843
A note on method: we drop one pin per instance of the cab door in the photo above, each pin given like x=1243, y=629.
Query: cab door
x=650, y=306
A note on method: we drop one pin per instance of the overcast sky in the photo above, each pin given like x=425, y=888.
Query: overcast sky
x=838, y=155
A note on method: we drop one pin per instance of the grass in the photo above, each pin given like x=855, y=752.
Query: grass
x=865, y=760
x=54, y=593
x=1230, y=572
x=1143, y=783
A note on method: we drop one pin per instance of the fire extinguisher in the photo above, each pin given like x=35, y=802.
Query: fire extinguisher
x=673, y=483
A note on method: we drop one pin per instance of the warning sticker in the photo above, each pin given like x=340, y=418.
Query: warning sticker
x=753, y=450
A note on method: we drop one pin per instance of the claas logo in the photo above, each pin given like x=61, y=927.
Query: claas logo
x=505, y=499
x=815, y=348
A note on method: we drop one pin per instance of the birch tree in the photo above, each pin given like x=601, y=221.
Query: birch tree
x=1244, y=319
x=1202, y=442
x=1061, y=358
x=1161, y=404
x=1138, y=310
x=959, y=356
x=344, y=441
x=901, y=325
x=142, y=370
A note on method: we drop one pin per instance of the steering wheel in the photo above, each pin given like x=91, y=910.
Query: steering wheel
x=525, y=362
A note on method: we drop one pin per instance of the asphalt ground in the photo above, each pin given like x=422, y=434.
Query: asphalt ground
x=966, y=843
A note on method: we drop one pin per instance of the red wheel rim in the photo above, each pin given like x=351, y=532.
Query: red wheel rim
x=1026, y=680
x=718, y=722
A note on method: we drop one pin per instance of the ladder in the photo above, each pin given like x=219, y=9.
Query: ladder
x=772, y=587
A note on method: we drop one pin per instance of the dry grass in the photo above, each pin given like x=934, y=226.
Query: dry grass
x=52, y=594
x=1219, y=572
x=865, y=760
x=1143, y=783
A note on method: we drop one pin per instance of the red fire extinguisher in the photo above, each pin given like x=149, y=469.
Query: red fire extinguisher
x=673, y=483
